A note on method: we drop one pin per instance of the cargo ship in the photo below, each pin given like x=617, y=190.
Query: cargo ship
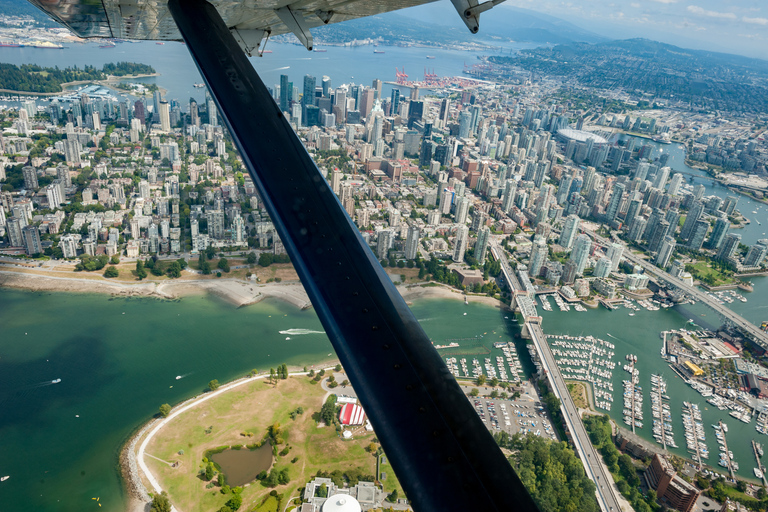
x=378, y=51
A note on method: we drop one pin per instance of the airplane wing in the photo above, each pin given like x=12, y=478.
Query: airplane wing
x=249, y=21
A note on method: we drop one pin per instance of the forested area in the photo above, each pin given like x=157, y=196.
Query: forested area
x=34, y=78
x=551, y=472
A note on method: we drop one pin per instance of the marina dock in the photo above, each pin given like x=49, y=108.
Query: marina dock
x=633, y=395
x=694, y=433
x=756, y=449
x=726, y=457
x=662, y=416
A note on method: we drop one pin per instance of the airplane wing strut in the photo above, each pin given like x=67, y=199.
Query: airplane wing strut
x=443, y=455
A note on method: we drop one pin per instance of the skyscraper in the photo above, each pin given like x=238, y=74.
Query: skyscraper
x=481, y=247
x=665, y=252
x=613, y=207
x=657, y=235
x=412, y=243
x=165, y=117
x=698, y=235
x=694, y=212
x=602, y=267
x=462, y=209
x=614, y=252
x=570, y=228
x=722, y=225
x=462, y=233
x=580, y=253
x=383, y=243
x=538, y=258
x=729, y=246
x=756, y=253
x=286, y=93
x=31, y=237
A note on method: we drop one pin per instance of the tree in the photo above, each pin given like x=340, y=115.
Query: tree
x=174, y=270
x=251, y=258
x=223, y=264
x=209, y=471
x=213, y=385
x=371, y=448
x=234, y=502
x=474, y=392
x=111, y=272
x=165, y=410
x=160, y=503
x=322, y=492
x=114, y=259
x=481, y=380
x=266, y=259
x=140, y=272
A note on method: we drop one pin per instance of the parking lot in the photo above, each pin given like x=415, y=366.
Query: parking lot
x=513, y=416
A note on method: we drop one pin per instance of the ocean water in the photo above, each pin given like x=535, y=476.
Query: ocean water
x=117, y=360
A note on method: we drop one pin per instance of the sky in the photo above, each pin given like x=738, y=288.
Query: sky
x=730, y=26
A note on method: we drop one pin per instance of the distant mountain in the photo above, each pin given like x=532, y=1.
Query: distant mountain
x=439, y=24
x=507, y=22
x=705, y=80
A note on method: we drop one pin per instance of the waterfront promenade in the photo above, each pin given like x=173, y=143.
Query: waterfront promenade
x=608, y=497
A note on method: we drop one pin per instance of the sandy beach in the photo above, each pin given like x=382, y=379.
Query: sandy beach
x=239, y=292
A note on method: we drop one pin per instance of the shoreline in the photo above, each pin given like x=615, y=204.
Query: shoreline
x=136, y=478
x=238, y=292
x=133, y=469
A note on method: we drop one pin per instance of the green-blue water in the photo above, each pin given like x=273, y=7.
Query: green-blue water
x=118, y=359
x=640, y=335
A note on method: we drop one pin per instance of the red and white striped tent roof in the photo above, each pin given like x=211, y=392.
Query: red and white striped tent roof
x=351, y=414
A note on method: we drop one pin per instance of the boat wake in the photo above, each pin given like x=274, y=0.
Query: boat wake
x=179, y=377
x=296, y=332
x=279, y=69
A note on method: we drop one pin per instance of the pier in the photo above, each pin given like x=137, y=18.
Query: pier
x=759, y=464
x=694, y=435
x=727, y=457
x=660, y=412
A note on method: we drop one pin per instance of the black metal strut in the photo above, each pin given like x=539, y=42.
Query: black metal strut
x=442, y=453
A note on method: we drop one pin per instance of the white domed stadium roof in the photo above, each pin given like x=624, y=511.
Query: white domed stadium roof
x=580, y=135
x=341, y=503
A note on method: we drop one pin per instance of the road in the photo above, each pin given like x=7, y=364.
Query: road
x=608, y=497
x=760, y=337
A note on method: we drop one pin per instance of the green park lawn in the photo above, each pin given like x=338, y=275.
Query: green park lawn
x=253, y=407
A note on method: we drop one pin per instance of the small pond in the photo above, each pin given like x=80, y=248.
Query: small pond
x=242, y=466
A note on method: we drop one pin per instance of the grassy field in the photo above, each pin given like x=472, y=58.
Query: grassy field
x=252, y=408
x=706, y=274
x=579, y=394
